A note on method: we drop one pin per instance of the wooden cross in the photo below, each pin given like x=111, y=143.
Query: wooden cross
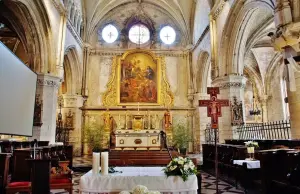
x=213, y=106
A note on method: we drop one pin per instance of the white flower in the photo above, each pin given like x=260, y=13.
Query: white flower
x=173, y=167
x=140, y=189
x=180, y=158
x=192, y=166
x=185, y=159
x=186, y=167
x=181, y=162
x=175, y=159
x=170, y=164
x=124, y=192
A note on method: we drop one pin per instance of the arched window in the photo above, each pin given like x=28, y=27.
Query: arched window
x=167, y=35
x=110, y=33
x=286, y=108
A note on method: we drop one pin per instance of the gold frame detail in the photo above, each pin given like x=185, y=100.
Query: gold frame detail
x=165, y=96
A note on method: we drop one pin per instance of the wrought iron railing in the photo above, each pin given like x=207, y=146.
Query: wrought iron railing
x=267, y=130
x=210, y=134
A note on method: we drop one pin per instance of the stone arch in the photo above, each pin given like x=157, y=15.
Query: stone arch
x=203, y=64
x=72, y=71
x=234, y=38
x=30, y=21
x=277, y=62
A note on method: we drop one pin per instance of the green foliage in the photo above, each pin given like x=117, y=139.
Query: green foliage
x=94, y=135
x=181, y=136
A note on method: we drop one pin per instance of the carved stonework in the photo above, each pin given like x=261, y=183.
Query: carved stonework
x=232, y=85
x=50, y=83
x=236, y=108
x=37, y=119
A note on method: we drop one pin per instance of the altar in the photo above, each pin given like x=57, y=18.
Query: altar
x=143, y=139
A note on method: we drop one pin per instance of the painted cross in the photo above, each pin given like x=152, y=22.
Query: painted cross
x=213, y=106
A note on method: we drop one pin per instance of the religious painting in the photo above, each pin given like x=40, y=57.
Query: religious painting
x=237, y=116
x=248, y=96
x=138, y=79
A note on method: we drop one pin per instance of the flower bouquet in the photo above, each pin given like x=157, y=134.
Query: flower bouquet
x=251, y=145
x=180, y=167
x=140, y=189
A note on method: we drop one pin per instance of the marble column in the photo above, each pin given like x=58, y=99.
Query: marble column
x=230, y=86
x=71, y=106
x=46, y=93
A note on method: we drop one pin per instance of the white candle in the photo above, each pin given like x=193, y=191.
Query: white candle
x=96, y=162
x=104, y=163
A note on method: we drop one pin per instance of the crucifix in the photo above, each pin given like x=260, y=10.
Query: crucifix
x=214, y=112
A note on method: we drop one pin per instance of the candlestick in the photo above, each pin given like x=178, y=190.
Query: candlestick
x=104, y=163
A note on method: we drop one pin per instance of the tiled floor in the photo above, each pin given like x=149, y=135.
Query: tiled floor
x=208, y=181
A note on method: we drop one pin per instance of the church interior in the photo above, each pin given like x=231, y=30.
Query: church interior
x=145, y=82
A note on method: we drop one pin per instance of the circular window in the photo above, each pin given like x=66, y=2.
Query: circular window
x=139, y=34
x=110, y=33
x=167, y=35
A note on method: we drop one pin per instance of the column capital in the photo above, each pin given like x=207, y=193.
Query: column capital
x=230, y=81
x=72, y=101
x=48, y=80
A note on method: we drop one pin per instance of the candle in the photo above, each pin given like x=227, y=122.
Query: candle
x=104, y=163
x=138, y=106
x=96, y=162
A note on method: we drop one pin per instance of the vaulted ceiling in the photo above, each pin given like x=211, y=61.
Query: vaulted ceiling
x=179, y=12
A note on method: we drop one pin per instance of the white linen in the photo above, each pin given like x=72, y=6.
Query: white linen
x=250, y=164
x=151, y=177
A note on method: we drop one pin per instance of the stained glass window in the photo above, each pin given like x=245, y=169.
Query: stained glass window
x=139, y=34
x=110, y=33
x=167, y=35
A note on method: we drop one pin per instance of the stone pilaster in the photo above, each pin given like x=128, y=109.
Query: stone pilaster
x=46, y=92
x=230, y=86
x=71, y=106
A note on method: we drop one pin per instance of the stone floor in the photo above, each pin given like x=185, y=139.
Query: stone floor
x=208, y=181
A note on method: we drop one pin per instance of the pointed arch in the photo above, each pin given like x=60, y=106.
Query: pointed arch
x=73, y=73
x=236, y=32
x=202, y=75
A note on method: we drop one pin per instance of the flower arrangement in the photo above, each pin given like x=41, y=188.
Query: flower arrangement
x=251, y=144
x=180, y=167
x=140, y=189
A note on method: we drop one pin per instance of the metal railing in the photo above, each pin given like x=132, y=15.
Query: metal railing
x=267, y=130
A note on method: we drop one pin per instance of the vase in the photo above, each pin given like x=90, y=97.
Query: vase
x=251, y=152
x=96, y=162
x=182, y=151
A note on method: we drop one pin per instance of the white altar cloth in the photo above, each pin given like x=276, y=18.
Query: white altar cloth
x=151, y=177
x=250, y=164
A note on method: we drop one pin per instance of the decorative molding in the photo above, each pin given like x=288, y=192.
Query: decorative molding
x=217, y=9
x=47, y=80
x=161, y=53
x=60, y=7
x=74, y=33
x=232, y=85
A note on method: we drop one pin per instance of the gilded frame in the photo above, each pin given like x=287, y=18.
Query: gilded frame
x=112, y=95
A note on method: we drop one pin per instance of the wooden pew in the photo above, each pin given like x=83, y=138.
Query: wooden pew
x=4, y=169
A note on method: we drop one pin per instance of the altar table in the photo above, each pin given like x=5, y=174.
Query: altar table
x=151, y=177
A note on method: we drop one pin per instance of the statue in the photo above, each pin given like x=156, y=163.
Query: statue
x=107, y=120
x=167, y=119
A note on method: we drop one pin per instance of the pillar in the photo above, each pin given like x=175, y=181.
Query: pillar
x=286, y=39
x=46, y=94
x=71, y=106
x=230, y=86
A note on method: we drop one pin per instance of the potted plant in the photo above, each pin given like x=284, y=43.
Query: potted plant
x=251, y=145
x=181, y=137
x=94, y=136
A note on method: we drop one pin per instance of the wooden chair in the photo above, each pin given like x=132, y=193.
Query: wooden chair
x=15, y=187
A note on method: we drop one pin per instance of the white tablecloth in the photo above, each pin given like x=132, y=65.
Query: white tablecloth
x=151, y=177
x=250, y=164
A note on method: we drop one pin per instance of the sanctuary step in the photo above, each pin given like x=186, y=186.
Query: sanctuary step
x=140, y=158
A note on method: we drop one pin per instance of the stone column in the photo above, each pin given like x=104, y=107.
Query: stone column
x=201, y=119
x=286, y=39
x=230, y=86
x=46, y=93
x=71, y=106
